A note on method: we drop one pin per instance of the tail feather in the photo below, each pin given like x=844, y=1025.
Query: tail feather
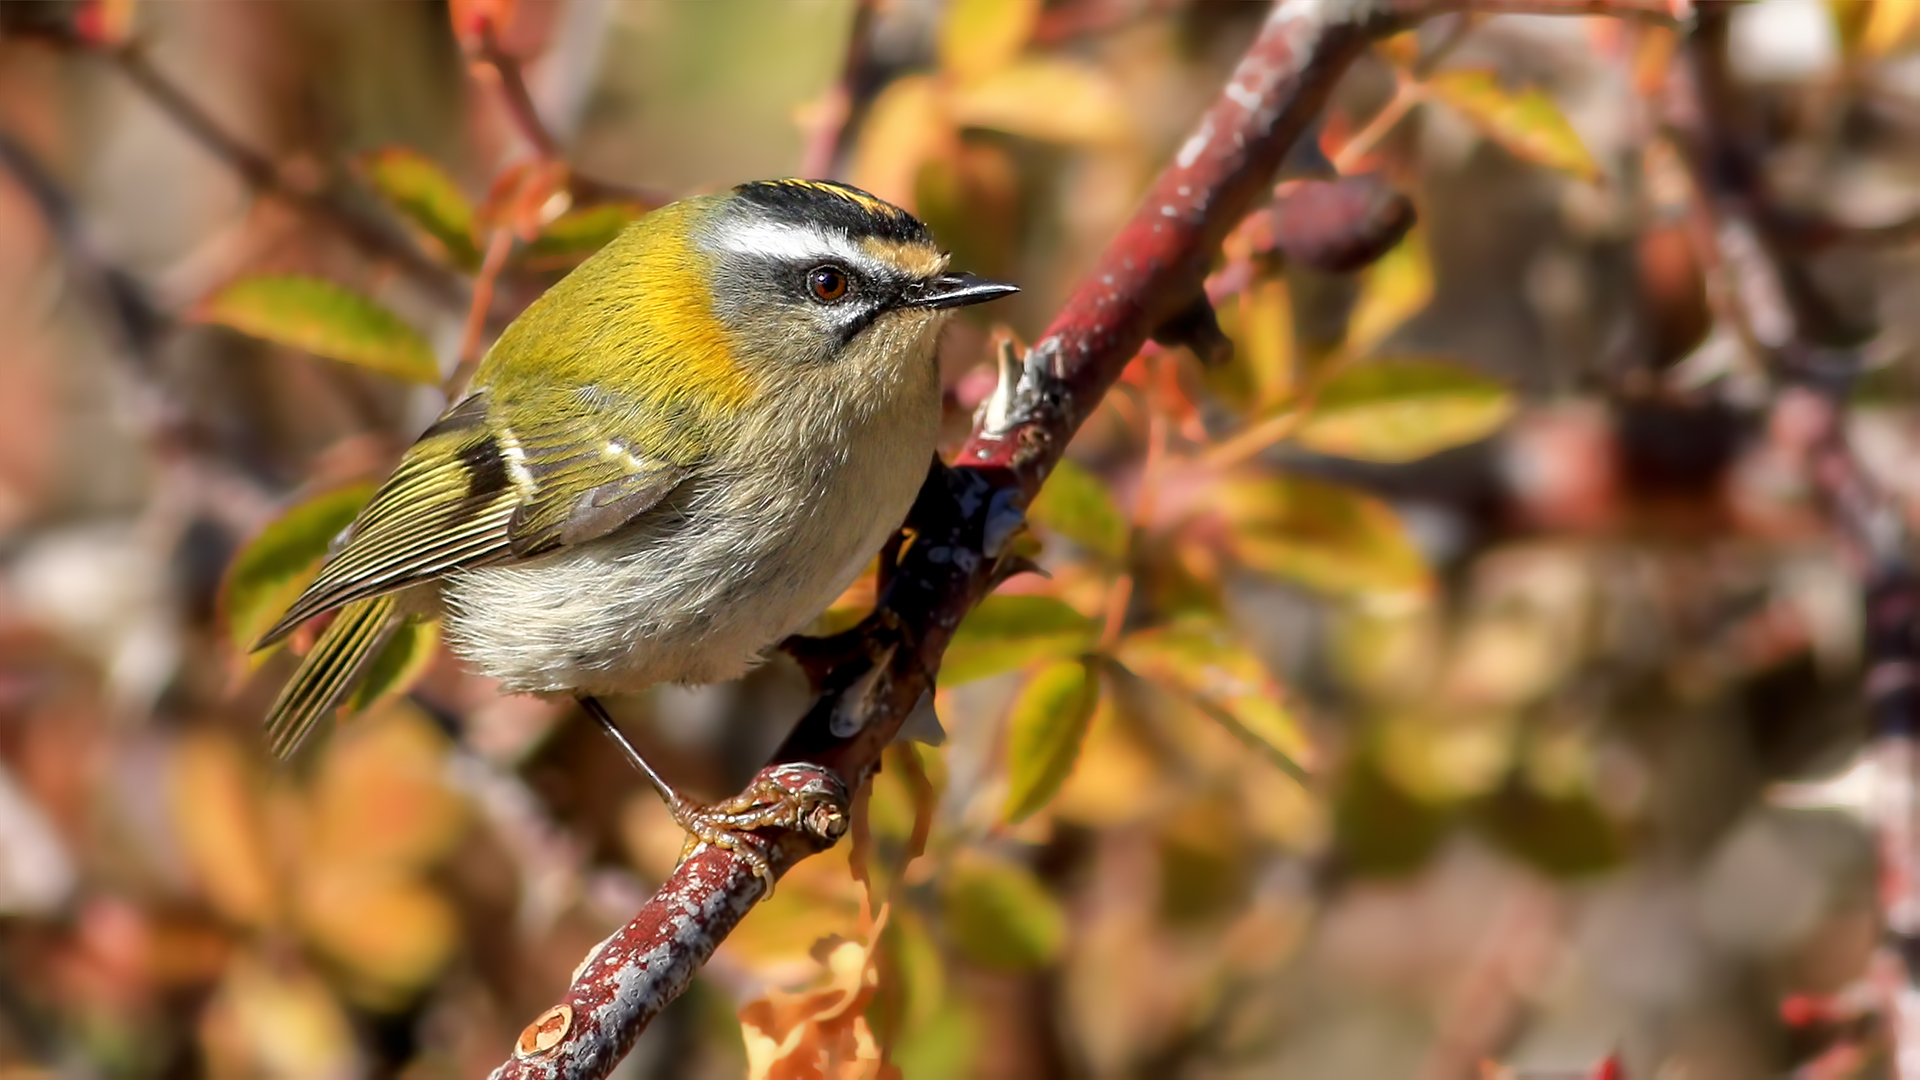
x=329, y=670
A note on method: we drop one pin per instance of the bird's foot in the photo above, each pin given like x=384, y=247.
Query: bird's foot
x=817, y=806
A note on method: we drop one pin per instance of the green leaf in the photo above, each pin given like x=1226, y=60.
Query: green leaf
x=1076, y=504
x=1206, y=663
x=1045, y=727
x=1528, y=123
x=1403, y=409
x=325, y=319
x=1562, y=835
x=1006, y=633
x=1392, y=290
x=1334, y=539
x=581, y=231
x=1000, y=916
x=400, y=664
x=275, y=565
x=422, y=192
x=981, y=36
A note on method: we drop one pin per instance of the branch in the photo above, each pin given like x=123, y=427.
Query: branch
x=1151, y=274
x=1758, y=250
x=263, y=176
x=830, y=135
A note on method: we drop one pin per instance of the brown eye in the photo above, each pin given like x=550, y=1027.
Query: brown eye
x=828, y=283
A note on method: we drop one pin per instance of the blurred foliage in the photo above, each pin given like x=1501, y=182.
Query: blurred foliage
x=1448, y=636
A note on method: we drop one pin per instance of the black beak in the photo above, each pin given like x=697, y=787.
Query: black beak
x=957, y=290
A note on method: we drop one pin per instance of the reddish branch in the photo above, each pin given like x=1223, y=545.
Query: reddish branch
x=1150, y=276
x=1759, y=252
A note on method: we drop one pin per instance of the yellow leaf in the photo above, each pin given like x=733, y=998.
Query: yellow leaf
x=1204, y=661
x=1890, y=24
x=393, y=932
x=1118, y=779
x=218, y=816
x=1393, y=410
x=1392, y=291
x=423, y=193
x=1044, y=98
x=980, y=36
x=269, y=1021
x=1334, y=539
x=1260, y=324
x=907, y=126
x=381, y=799
x=1528, y=123
x=277, y=563
x=1005, y=633
x=999, y=915
x=1077, y=505
x=1045, y=726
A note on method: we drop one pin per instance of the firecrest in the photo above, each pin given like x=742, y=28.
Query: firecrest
x=675, y=458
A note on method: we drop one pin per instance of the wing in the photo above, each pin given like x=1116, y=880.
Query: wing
x=471, y=493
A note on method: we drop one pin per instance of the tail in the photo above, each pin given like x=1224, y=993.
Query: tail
x=329, y=670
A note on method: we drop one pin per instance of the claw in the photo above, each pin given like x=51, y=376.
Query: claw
x=815, y=808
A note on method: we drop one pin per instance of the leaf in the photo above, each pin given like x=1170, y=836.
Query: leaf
x=218, y=817
x=980, y=36
x=1006, y=633
x=324, y=319
x=381, y=799
x=1205, y=662
x=392, y=931
x=1260, y=323
x=581, y=231
x=1045, y=726
x=400, y=664
x=1561, y=835
x=422, y=192
x=821, y=1033
x=999, y=915
x=1394, y=410
x=276, y=564
x=1044, y=98
x=1391, y=291
x=1528, y=123
x=907, y=126
x=1076, y=504
x=1334, y=539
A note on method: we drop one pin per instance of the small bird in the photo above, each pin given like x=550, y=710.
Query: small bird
x=674, y=459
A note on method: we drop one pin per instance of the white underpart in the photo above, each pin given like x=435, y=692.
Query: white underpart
x=800, y=243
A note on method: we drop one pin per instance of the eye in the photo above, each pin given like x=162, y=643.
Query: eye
x=827, y=283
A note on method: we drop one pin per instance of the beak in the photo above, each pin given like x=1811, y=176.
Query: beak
x=957, y=290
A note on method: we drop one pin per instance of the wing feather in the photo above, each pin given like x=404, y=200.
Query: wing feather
x=473, y=492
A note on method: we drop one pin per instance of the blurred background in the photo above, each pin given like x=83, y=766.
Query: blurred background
x=1462, y=680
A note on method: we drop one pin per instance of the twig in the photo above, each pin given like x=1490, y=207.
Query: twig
x=264, y=177
x=1151, y=273
x=1782, y=319
x=830, y=135
x=510, y=76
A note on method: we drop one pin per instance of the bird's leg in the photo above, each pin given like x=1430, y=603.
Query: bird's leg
x=729, y=824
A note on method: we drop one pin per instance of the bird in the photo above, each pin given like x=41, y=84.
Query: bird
x=671, y=461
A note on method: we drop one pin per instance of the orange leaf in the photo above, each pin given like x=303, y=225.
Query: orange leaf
x=217, y=815
x=821, y=1033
